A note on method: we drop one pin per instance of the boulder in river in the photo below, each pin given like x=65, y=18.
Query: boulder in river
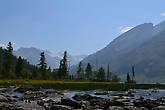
x=25, y=88
x=29, y=106
x=70, y=103
x=3, y=98
x=116, y=108
x=85, y=97
x=60, y=107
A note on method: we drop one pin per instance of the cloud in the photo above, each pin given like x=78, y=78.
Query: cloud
x=125, y=29
x=162, y=14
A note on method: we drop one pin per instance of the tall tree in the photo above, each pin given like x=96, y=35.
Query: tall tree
x=19, y=67
x=128, y=78
x=8, y=64
x=80, y=72
x=10, y=48
x=133, y=73
x=101, y=74
x=65, y=65
x=63, y=68
x=88, y=71
x=109, y=74
x=43, y=65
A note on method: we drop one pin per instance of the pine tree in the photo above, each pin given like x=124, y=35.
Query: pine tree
x=109, y=74
x=8, y=64
x=128, y=78
x=43, y=66
x=63, y=68
x=88, y=71
x=65, y=65
x=133, y=73
x=19, y=67
x=80, y=72
x=101, y=74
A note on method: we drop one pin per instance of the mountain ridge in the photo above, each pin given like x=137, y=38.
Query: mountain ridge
x=32, y=55
x=118, y=53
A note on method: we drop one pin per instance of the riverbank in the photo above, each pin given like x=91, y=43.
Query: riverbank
x=30, y=98
x=79, y=85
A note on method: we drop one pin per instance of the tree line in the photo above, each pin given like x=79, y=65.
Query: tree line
x=12, y=67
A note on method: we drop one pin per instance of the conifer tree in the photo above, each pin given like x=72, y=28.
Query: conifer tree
x=101, y=74
x=63, y=68
x=8, y=64
x=133, y=73
x=88, y=71
x=128, y=78
x=10, y=48
x=43, y=66
x=65, y=65
x=80, y=72
x=109, y=74
x=19, y=67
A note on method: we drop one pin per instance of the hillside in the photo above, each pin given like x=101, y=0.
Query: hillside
x=143, y=46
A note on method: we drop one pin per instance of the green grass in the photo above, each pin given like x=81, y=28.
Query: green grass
x=83, y=85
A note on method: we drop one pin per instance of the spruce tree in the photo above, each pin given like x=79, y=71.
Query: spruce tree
x=88, y=71
x=133, y=73
x=80, y=72
x=63, y=68
x=65, y=65
x=109, y=74
x=43, y=66
x=10, y=48
x=128, y=78
x=19, y=67
x=101, y=74
x=8, y=64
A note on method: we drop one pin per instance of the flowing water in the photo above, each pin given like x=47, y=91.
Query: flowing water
x=146, y=94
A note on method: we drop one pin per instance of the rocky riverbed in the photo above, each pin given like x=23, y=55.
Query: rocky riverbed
x=30, y=98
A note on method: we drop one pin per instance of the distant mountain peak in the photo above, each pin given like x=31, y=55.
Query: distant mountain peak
x=32, y=55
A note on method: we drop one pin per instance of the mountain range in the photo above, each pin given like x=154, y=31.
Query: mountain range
x=143, y=46
x=32, y=55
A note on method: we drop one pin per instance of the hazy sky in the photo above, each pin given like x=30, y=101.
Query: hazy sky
x=78, y=26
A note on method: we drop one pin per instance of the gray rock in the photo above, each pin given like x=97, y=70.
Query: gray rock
x=3, y=98
x=60, y=107
x=29, y=106
x=71, y=103
x=131, y=108
x=116, y=108
x=159, y=108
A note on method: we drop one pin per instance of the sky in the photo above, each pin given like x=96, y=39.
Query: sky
x=78, y=26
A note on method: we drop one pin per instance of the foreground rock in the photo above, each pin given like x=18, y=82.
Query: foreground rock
x=41, y=99
x=71, y=103
x=25, y=88
x=28, y=106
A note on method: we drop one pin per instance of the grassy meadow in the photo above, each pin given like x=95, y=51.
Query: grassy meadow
x=79, y=85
